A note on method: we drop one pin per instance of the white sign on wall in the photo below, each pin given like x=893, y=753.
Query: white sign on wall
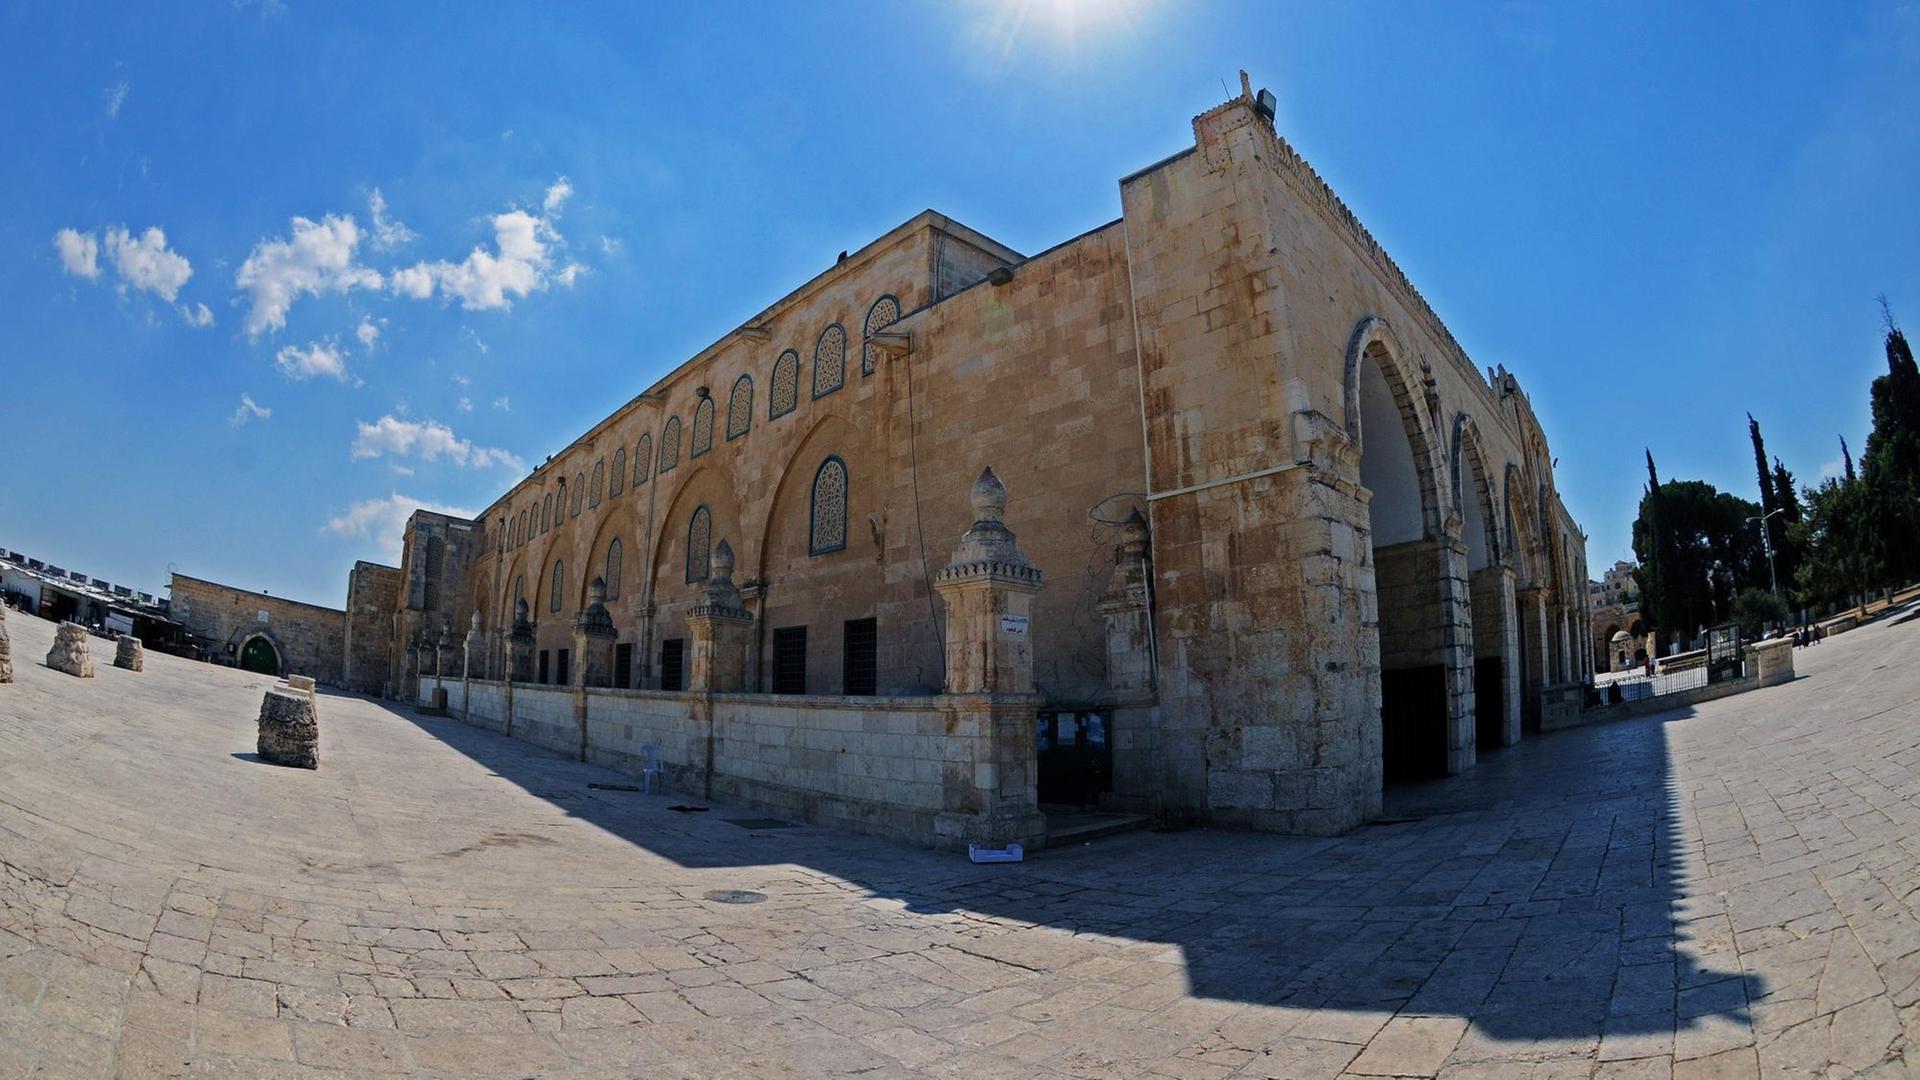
x=260, y=616
x=1013, y=625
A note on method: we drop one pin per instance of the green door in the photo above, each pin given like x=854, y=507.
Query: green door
x=258, y=654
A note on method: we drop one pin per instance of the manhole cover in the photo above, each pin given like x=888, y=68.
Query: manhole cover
x=736, y=896
x=760, y=823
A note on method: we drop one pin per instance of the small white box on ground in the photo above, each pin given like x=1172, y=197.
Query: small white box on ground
x=1010, y=853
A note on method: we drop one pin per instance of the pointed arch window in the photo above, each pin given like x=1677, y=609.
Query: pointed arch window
x=703, y=426
x=699, y=544
x=786, y=385
x=560, y=504
x=827, y=525
x=740, y=407
x=670, y=444
x=579, y=494
x=500, y=541
x=599, y=482
x=617, y=474
x=884, y=313
x=546, y=512
x=642, y=460
x=829, y=361
x=613, y=569
x=558, y=583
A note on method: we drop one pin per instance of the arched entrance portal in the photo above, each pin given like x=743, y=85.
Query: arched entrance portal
x=1426, y=692
x=1490, y=584
x=258, y=654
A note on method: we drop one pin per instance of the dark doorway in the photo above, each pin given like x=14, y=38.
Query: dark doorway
x=1489, y=702
x=561, y=667
x=622, y=665
x=258, y=654
x=673, y=664
x=859, y=658
x=1413, y=723
x=544, y=657
x=790, y=660
x=1074, y=751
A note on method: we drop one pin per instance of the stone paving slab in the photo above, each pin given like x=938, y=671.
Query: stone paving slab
x=1725, y=892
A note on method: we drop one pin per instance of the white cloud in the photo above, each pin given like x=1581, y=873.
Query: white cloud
x=145, y=263
x=1834, y=469
x=79, y=253
x=387, y=233
x=249, y=410
x=197, y=316
x=368, y=332
x=465, y=404
x=461, y=381
x=609, y=245
x=318, y=258
x=520, y=263
x=400, y=470
x=384, y=521
x=427, y=440
x=467, y=332
x=320, y=358
x=116, y=96
x=502, y=404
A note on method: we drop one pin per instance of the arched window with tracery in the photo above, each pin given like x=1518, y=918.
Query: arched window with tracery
x=500, y=540
x=670, y=444
x=740, y=407
x=556, y=586
x=599, y=482
x=699, y=544
x=560, y=504
x=613, y=569
x=579, y=494
x=884, y=313
x=617, y=474
x=546, y=512
x=513, y=531
x=827, y=525
x=829, y=361
x=786, y=385
x=703, y=426
x=642, y=460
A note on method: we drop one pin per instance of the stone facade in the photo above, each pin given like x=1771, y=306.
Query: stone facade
x=293, y=636
x=373, y=594
x=1289, y=528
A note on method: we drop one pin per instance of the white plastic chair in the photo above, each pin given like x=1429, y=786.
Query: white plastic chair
x=652, y=775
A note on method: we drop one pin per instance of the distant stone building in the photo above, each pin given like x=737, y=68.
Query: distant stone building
x=373, y=598
x=268, y=634
x=1279, y=538
x=1614, y=606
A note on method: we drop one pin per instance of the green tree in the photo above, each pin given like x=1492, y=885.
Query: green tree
x=1841, y=558
x=1688, y=526
x=1890, y=466
x=1757, y=609
x=1787, y=557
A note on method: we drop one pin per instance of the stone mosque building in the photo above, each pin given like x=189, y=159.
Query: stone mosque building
x=1202, y=513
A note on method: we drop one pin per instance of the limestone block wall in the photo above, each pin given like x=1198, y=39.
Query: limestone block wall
x=373, y=592
x=914, y=768
x=309, y=638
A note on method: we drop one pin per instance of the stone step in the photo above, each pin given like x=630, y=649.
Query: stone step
x=1067, y=826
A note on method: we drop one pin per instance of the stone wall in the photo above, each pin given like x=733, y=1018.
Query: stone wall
x=899, y=767
x=309, y=639
x=373, y=593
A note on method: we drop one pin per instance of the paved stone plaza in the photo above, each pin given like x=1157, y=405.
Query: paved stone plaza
x=1726, y=893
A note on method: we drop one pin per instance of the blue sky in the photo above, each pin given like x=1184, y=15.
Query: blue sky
x=1660, y=216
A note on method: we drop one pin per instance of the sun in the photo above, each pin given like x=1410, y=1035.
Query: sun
x=1013, y=25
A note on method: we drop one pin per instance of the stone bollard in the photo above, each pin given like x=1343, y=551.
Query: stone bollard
x=130, y=654
x=289, y=729
x=6, y=651
x=71, y=652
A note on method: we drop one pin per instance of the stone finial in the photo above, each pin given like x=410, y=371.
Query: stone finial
x=473, y=624
x=989, y=497
x=720, y=597
x=594, y=621
x=988, y=546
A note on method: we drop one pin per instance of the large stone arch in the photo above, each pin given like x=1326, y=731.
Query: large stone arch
x=623, y=521
x=822, y=591
x=1496, y=631
x=1533, y=581
x=1422, y=606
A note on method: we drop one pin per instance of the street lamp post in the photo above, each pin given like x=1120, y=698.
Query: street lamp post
x=1766, y=542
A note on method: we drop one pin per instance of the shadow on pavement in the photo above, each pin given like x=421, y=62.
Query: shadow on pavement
x=1537, y=895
